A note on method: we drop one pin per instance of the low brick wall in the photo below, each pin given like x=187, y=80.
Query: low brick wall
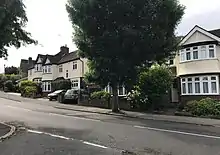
x=123, y=103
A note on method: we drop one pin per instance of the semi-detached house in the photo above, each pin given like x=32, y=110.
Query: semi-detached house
x=197, y=66
x=65, y=64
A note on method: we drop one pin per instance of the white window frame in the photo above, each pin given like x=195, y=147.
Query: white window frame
x=75, y=65
x=186, y=82
x=75, y=83
x=60, y=68
x=38, y=68
x=109, y=90
x=45, y=86
x=202, y=54
x=47, y=69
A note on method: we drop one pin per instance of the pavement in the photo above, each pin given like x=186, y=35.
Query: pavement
x=45, y=129
x=145, y=116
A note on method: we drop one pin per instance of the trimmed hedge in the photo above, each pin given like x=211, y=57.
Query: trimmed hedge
x=28, y=87
x=101, y=95
x=204, y=107
x=61, y=85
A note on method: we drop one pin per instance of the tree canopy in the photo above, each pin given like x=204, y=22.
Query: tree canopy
x=119, y=36
x=11, y=70
x=13, y=20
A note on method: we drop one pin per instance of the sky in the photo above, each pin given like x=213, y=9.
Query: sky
x=49, y=24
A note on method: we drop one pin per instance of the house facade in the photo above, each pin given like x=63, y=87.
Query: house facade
x=65, y=64
x=197, y=66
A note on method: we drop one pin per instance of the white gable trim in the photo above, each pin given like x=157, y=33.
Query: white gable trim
x=39, y=60
x=196, y=28
x=47, y=61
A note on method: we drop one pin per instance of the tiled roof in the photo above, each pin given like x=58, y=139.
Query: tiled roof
x=69, y=57
x=215, y=32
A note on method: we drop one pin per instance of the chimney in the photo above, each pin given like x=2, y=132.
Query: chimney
x=29, y=60
x=64, y=49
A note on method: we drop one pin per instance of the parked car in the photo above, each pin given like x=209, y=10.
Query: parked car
x=71, y=96
x=54, y=95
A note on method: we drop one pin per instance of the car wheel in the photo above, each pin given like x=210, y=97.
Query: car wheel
x=50, y=99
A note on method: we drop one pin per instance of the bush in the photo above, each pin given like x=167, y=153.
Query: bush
x=25, y=84
x=8, y=86
x=204, y=107
x=154, y=83
x=61, y=85
x=30, y=91
x=101, y=95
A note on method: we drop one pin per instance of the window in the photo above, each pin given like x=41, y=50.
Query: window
x=47, y=69
x=203, y=85
x=121, y=90
x=198, y=53
x=188, y=56
x=195, y=55
x=38, y=67
x=60, y=68
x=75, y=83
x=46, y=86
x=67, y=74
x=171, y=62
x=74, y=65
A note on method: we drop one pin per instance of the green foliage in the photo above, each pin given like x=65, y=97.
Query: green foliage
x=119, y=36
x=204, y=107
x=11, y=70
x=13, y=19
x=25, y=84
x=101, y=95
x=30, y=90
x=9, y=86
x=61, y=85
x=153, y=84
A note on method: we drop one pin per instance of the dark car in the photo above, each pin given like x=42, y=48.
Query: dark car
x=54, y=95
x=71, y=96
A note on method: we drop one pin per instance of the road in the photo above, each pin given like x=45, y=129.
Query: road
x=44, y=129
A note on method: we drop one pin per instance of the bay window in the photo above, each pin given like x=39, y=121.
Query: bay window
x=200, y=85
x=75, y=83
x=38, y=67
x=47, y=69
x=46, y=86
x=121, y=90
x=198, y=53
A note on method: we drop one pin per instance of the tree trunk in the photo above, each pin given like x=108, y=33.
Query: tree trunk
x=115, y=105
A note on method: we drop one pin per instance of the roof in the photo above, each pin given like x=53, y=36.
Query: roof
x=215, y=32
x=69, y=57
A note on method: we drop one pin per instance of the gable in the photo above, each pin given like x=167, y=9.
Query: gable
x=198, y=34
x=198, y=37
x=47, y=61
x=39, y=60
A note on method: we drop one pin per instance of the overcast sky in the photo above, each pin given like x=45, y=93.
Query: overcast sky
x=49, y=24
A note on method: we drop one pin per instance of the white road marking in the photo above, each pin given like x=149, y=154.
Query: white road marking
x=67, y=138
x=18, y=108
x=178, y=132
x=34, y=131
x=97, y=145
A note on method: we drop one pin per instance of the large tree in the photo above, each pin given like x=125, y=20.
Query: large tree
x=13, y=19
x=11, y=70
x=118, y=36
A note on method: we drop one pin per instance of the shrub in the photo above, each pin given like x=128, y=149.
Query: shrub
x=8, y=86
x=25, y=84
x=154, y=83
x=204, y=107
x=30, y=91
x=61, y=85
x=101, y=95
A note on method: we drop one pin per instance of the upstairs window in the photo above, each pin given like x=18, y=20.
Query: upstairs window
x=198, y=53
x=38, y=67
x=60, y=68
x=74, y=65
x=47, y=69
x=67, y=74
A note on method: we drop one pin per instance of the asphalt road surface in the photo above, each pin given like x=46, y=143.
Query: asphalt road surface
x=45, y=130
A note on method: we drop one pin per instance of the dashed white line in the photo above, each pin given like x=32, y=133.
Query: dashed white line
x=97, y=145
x=67, y=138
x=178, y=132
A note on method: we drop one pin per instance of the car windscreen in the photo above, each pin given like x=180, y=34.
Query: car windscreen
x=58, y=91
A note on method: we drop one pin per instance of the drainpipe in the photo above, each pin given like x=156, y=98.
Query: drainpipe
x=82, y=67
